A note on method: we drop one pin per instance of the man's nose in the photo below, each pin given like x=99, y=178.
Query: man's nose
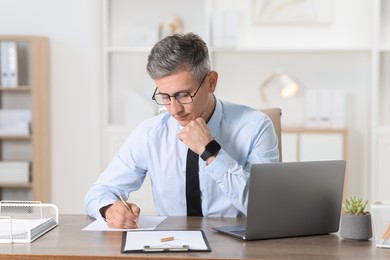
x=175, y=106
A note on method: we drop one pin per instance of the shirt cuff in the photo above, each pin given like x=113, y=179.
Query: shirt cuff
x=103, y=204
x=220, y=165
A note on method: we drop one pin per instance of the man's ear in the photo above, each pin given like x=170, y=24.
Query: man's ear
x=212, y=80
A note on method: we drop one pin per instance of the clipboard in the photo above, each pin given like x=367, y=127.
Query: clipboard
x=150, y=241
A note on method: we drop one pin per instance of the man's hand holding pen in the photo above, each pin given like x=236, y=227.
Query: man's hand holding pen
x=122, y=215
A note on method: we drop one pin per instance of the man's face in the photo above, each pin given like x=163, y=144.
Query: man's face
x=180, y=82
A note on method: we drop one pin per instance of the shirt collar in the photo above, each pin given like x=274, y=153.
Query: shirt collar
x=216, y=117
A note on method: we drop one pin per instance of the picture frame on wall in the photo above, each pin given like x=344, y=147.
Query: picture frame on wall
x=292, y=12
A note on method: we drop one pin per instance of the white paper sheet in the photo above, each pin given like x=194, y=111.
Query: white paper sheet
x=145, y=223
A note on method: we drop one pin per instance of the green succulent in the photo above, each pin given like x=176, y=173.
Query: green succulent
x=354, y=206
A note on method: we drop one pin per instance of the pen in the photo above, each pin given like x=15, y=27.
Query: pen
x=386, y=233
x=127, y=206
x=166, y=239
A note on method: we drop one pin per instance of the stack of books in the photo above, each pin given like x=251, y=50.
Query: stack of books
x=15, y=171
x=15, y=121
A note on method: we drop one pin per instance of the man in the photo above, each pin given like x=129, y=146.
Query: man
x=229, y=138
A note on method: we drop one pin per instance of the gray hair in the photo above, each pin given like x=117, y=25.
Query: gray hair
x=176, y=52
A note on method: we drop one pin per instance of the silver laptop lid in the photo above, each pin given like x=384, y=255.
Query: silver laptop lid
x=294, y=199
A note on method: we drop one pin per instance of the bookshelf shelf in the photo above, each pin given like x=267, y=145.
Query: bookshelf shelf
x=16, y=137
x=15, y=185
x=16, y=89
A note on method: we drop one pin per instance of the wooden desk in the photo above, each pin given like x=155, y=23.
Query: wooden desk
x=67, y=241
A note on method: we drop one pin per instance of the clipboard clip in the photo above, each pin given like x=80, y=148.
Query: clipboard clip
x=166, y=248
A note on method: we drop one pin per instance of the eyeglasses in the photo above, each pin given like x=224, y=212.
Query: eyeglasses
x=181, y=97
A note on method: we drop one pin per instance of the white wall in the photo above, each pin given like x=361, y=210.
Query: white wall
x=72, y=28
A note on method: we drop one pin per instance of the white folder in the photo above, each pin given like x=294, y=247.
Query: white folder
x=4, y=82
x=13, y=64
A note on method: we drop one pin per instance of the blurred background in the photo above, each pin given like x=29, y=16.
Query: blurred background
x=331, y=58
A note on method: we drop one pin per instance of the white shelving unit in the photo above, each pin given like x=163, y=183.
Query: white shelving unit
x=339, y=55
x=380, y=102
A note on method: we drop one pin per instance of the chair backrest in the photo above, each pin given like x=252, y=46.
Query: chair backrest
x=275, y=116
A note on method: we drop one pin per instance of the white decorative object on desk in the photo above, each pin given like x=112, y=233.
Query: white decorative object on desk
x=381, y=223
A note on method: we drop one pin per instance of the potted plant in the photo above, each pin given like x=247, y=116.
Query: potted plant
x=355, y=222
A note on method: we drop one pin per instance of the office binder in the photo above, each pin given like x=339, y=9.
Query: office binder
x=164, y=241
x=25, y=221
x=12, y=64
x=4, y=82
x=9, y=64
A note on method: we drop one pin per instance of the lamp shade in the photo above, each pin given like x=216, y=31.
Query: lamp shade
x=289, y=87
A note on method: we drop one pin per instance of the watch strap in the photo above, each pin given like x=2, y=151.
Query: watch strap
x=212, y=148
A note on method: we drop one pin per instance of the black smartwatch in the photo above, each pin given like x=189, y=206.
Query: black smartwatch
x=211, y=149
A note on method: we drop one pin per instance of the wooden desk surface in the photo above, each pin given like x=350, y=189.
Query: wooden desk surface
x=67, y=241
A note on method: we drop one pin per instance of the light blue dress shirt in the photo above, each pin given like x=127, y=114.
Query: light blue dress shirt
x=246, y=135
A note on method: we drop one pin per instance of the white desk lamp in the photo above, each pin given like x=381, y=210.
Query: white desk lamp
x=288, y=85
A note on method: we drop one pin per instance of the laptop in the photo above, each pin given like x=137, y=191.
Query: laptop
x=292, y=199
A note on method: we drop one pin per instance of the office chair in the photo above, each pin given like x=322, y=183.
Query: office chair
x=275, y=116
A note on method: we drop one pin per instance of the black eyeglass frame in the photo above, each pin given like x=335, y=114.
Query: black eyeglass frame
x=178, y=94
